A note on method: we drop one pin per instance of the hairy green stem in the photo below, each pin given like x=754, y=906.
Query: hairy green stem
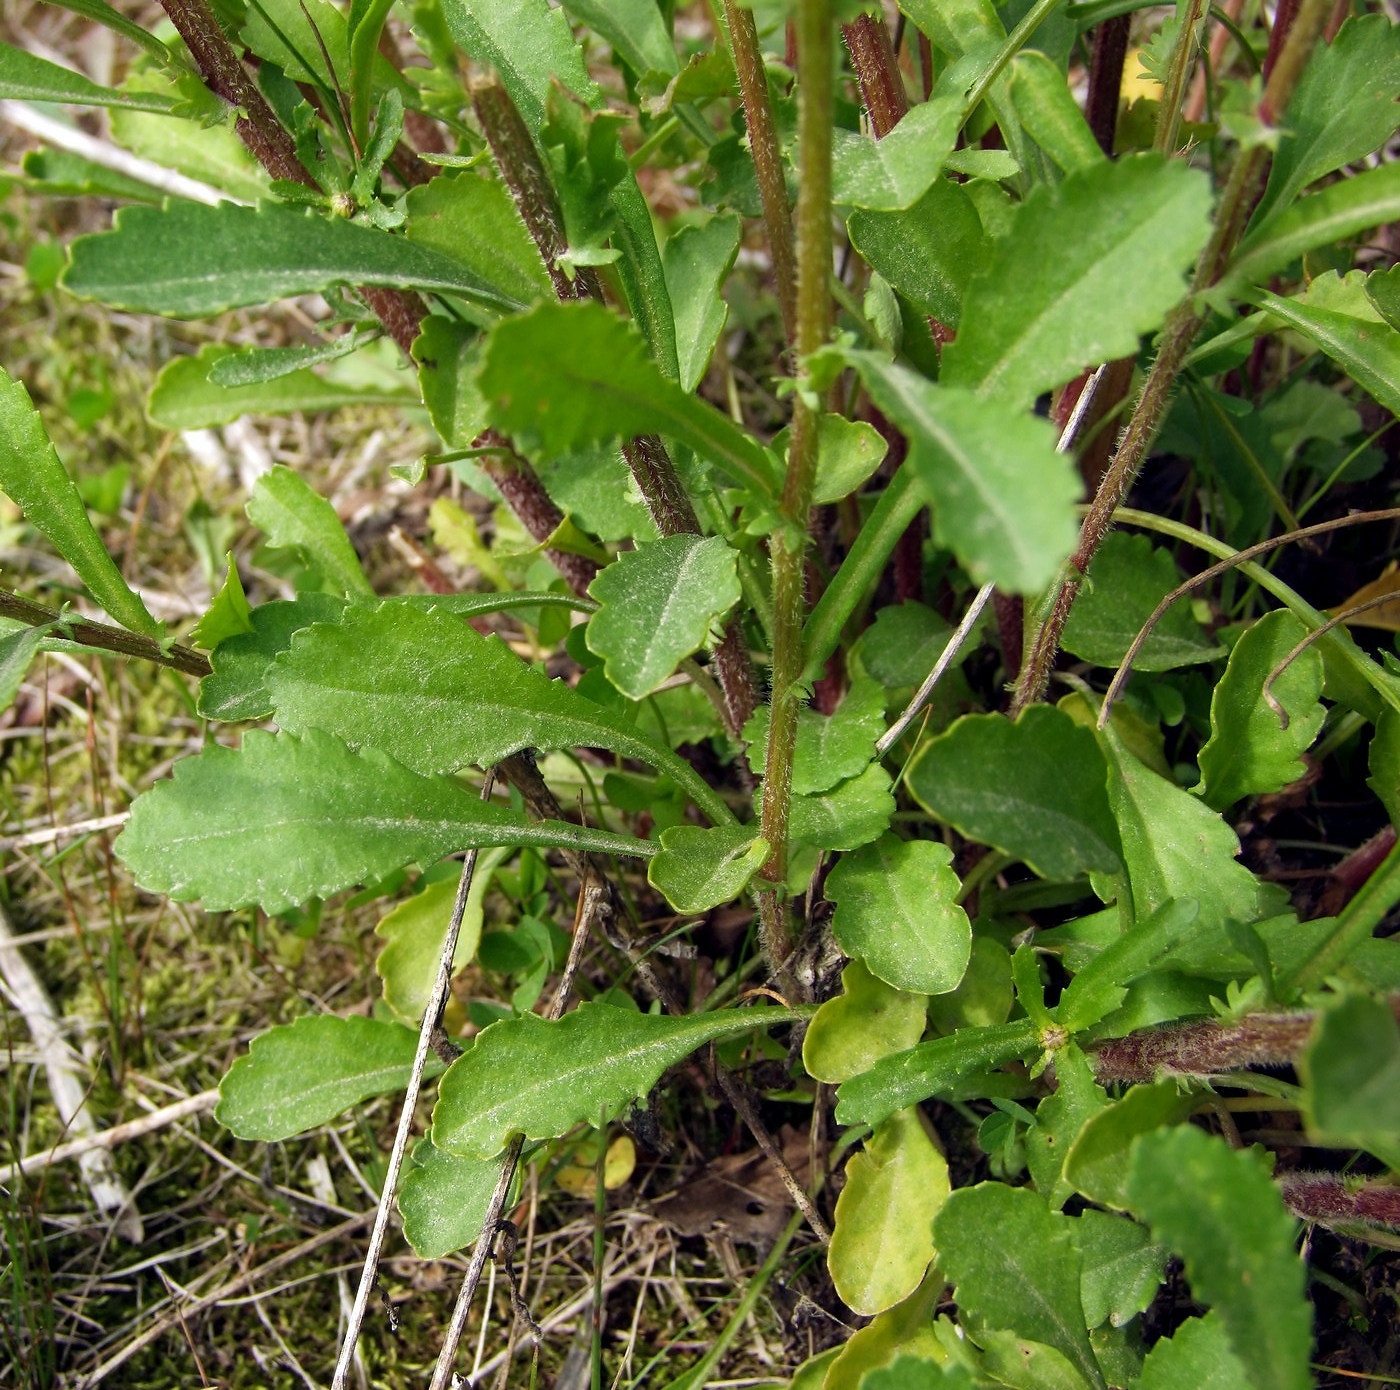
x=1242, y=190
x=767, y=157
x=1173, y=96
x=102, y=637
x=815, y=60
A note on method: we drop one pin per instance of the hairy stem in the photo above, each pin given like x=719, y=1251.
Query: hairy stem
x=815, y=55
x=651, y=465
x=877, y=72
x=767, y=157
x=104, y=638
x=1242, y=191
x=1106, y=79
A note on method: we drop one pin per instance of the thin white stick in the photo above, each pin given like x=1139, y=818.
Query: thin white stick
x=67, y=1085
x=109, y=156
x=945, y=660
x=61, y=832
x=110, y=1138
x=432, y=1017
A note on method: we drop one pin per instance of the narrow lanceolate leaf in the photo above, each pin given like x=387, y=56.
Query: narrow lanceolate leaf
x=1339, y=317
x=657, y=605
x=696, y=261
x=634, y=28
x=525, y=1074
x=290, y=512
x=1219, y=1209
x=365, y=678
x=866, y=1021
x=528, y=42
x=24, y=77
x=443, y=1199
x=184, y=397
x=1036, y=788
x=1336, y=213
x=304, y=1074
x=190, y=261
x=1256, y=747
x=1343, y=109
x=897, y=910
x=1003, y=499
x=700, y=867
x=285, y=819
x=569, y=375
x=1015, y=1267
x=936, y=1067
x=882, y=1242
x=1124, y=235
x=34, y=479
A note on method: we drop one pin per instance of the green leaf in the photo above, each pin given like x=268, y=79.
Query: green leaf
x=414, y=932
x=448, y=356
x=444, y=1199
x=634, y=28
x=284, y=820
x=1124, y=235
x=1024, y=1364
x=866, y=1021
x=1174, y=847
x=1058, y=1121
x=1343, y=109
x=1050, y=114
x=1339, y=318
x=696, y=261
x=928, y=252
x=916, y=1373
x=568, y=375
x=528, y=42
x=102, y=13
x=1383, y=290
x=935, y=1067
x=472, y=220
x=882, y=1240
x=1097, y=1162
x=1128, y=578
x=364, y=679
x=228, y=614
x=899, y=1334
x=35, y=480
x=17, y=651
x=1003, y=499
x=254, y=366
x=1198, y=1356
x=1251, y=749
x=847, y=816
x=983, y=997
x=303, y=1074
x=903, y=643
x=1351, y=1078
x=1384, y=762
x=829, y=748
x=190, y=261
x=25, y=77
x=657, y=605
x=291, y=513
x=213, y=154
x=892, y=173
x=185, y=397
x=1034, y=789
x=701, y=867
x=1336, y=213
x=1100, y=986
x=897, y=910
x=1121, y=1267
x=1015, y=1267
x=1219, y=1210
x=237, y=687
x=540, y=1079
